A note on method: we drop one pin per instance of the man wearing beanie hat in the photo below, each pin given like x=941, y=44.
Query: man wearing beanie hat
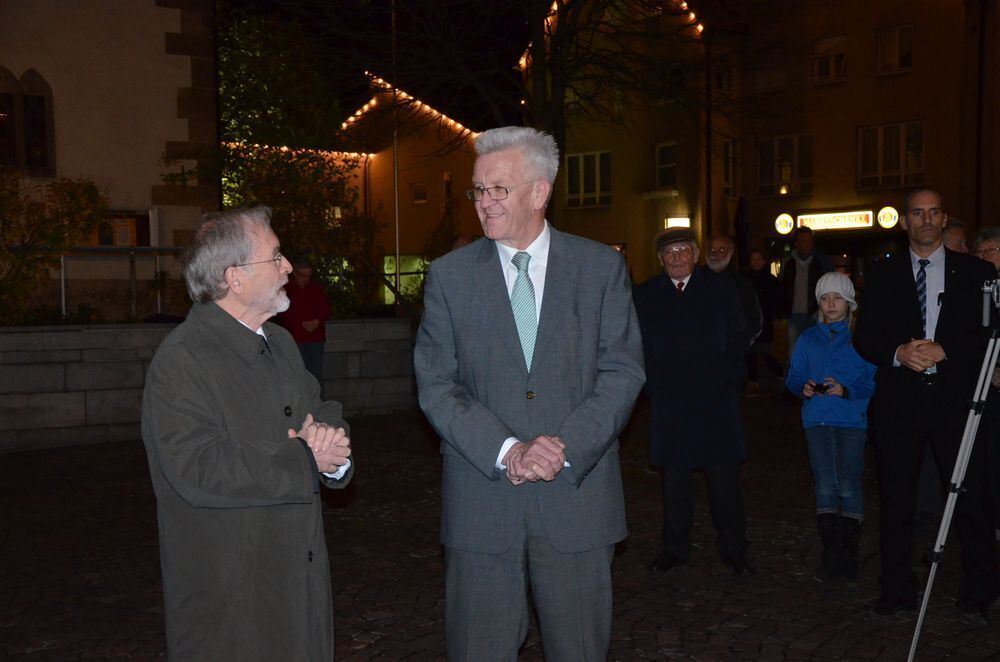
x=921, y=325
x=694, y=336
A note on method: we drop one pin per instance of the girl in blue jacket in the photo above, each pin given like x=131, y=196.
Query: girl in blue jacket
x=836, y=384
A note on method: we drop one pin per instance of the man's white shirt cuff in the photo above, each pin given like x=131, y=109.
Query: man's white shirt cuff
x=508, y=442
x=340, y=472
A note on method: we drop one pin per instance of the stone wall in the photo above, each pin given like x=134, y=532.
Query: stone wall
x=63, y=386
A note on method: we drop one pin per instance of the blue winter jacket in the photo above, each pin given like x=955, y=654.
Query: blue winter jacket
x=822, y=351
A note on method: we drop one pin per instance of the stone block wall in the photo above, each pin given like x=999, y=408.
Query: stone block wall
x=63, y=386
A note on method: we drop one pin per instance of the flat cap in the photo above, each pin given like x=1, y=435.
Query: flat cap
x=673, y=235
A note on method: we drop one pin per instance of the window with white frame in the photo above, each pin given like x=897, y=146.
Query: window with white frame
x=666, y=165
x=728, y=167
x=412, y=271
x=891, y=155
x=785, y=165
x=588, y=179
x=895, y=49
x=829, y=64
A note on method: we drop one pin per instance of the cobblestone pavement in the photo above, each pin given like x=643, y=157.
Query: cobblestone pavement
x=79, y=570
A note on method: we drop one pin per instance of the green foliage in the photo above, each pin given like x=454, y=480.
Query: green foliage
x=314, y=213
x=270, y=88
x=38, y=222
x=274, y=93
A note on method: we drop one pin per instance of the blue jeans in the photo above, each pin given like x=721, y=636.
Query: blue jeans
x=837, y=456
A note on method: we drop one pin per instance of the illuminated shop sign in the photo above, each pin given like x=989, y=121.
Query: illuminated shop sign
x=846, y=220
x=784, y=223
x=888, y=217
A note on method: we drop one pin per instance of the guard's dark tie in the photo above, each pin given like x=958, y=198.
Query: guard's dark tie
x=680, y=287
x=922, y=292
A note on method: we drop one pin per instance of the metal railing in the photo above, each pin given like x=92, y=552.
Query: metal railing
x=132, y=252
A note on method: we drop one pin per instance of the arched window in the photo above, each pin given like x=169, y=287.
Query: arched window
x=8, y=120
x=27, y=126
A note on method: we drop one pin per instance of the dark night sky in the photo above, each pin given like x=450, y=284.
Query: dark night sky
x=438, y=43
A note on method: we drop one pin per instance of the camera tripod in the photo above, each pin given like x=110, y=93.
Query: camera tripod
x=991, y=298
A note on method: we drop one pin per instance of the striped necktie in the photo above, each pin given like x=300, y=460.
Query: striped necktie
x=522, y=302
x=922, y=292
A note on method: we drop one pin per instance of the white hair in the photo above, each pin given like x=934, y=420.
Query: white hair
x=224, y=239
x=539, y=148
x=991, y=233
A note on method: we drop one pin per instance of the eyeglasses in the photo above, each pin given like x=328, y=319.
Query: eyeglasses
x=718, y=250
x=276, y=260
x=677, y=251
x=983, y=252
x=494, y=192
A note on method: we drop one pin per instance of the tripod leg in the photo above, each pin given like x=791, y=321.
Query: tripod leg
x=958, y=475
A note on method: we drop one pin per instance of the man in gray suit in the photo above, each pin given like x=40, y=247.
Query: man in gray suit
x=528, y=362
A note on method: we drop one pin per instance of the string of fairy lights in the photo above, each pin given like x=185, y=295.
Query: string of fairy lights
x=681, y=5
x=419, y=105
x=299, y=151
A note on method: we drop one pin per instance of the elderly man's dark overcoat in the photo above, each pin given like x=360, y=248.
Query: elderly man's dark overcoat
x=242, y=549
x=694, y=344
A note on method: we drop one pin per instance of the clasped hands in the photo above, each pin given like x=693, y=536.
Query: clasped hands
x=920, y=354
x=331, y=447
x=542, y=458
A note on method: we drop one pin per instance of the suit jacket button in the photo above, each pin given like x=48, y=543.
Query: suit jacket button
x=530, y=395
x=288, y=411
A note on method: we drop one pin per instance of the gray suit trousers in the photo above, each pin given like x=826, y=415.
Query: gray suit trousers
x=486, y=601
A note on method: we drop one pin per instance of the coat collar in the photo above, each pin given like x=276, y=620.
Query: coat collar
x=695, y=281
x=227, y=329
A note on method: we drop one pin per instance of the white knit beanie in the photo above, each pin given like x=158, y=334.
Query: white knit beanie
x=839, y=283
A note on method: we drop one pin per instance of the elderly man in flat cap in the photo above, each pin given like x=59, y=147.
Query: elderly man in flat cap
x=694, y=337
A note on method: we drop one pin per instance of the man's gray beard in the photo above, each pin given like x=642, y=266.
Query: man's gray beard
x=717, y=265
x=281, y=301
x=278, y=303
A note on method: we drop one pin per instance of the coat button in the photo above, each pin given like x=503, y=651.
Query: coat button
x=288, y=411
x=530, y=395
x=310, y=556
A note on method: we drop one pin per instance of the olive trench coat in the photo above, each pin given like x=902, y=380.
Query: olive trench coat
x=242, y=549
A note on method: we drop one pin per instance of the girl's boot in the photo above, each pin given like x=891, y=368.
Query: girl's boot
x=850, y=536
x=828, y=525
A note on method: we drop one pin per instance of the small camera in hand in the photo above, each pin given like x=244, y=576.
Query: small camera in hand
x=821, y=388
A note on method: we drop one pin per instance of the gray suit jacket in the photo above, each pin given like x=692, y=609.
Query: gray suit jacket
x=476, y=391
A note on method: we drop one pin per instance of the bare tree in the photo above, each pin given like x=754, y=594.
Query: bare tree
x=537, y=62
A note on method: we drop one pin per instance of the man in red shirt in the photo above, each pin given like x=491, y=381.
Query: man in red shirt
x=306, y=317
